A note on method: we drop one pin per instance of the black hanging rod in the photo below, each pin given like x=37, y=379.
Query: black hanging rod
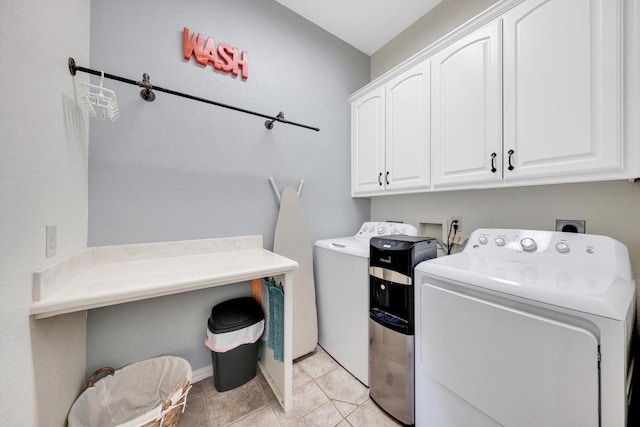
x=147, y=94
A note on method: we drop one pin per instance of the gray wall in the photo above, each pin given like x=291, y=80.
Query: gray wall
x=178, y=169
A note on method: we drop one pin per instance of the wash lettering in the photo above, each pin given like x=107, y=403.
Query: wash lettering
x=224, y=58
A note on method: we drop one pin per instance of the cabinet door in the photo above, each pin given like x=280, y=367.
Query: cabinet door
x=407, y=131
x=467, y=109
x=562, y=98
x=367, y=143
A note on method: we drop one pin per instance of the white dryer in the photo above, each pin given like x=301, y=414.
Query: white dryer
x=525, y=328
x=341, y=267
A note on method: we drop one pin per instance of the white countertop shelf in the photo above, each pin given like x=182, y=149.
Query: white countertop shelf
x=109, y=275
x=125, y=281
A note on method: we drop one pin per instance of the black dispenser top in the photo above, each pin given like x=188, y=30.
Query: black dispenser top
x=401, y=253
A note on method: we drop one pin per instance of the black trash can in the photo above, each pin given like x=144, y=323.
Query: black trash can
x=235, y=327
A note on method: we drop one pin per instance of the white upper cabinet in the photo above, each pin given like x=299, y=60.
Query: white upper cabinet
x=562, y=88
x=367, y=143
x=466, y=120
x=529, y=92
x=407, y=131
x=390, y=136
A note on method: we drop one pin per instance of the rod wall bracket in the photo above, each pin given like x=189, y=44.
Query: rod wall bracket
x=146, y=93
x=269, y=123
x=72, y=66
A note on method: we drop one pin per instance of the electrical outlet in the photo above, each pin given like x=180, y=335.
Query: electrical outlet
x=51, y=241
x=449, y=224
x=571, y=225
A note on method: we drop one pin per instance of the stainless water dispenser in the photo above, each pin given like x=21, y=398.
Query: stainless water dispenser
x=391, y=321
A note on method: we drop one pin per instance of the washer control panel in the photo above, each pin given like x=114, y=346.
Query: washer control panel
x=373, y=228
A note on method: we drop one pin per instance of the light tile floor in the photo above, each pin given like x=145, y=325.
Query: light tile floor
x=324, y=395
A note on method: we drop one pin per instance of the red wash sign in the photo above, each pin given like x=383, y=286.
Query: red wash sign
x=223, y=58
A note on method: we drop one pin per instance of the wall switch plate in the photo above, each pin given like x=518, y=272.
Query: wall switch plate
x=51, y=241
x=571, y=225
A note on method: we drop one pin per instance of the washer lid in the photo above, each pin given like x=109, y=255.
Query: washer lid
x=594, y=276
x=348, y=245
x=358, y=245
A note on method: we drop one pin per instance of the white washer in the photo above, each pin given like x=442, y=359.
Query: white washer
x=342, y=294
x=525, y=328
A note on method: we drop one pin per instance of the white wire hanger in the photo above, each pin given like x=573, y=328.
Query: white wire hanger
x=100, y=96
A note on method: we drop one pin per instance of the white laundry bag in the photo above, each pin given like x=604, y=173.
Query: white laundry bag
x=148, y=393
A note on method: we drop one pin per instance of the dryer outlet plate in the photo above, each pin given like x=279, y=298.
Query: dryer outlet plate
x=571, y=225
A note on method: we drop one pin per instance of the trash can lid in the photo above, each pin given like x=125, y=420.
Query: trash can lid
x=235, y=314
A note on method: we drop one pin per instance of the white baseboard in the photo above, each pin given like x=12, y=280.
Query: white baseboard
x=201, y=374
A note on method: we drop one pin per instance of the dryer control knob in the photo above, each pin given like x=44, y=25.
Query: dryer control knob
x=483, y=240
x=562, y=247
x=528, y=244
x=500, y=241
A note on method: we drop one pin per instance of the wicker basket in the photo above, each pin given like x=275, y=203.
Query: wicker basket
x=150, y=393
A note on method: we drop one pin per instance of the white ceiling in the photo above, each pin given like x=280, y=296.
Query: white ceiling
x=366, y=25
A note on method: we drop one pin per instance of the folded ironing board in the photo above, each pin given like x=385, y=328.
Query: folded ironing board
x=292, y=241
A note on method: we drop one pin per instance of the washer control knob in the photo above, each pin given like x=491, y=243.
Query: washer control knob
x=381, y=230
x=590, y=249
x=562, y=247
x=500, y=241
x=483, y=240
x=528, y=244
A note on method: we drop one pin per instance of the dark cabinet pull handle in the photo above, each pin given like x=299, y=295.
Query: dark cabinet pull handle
x=493, y=165
x=379, y=178
x=510, y=152
x=386, y=178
